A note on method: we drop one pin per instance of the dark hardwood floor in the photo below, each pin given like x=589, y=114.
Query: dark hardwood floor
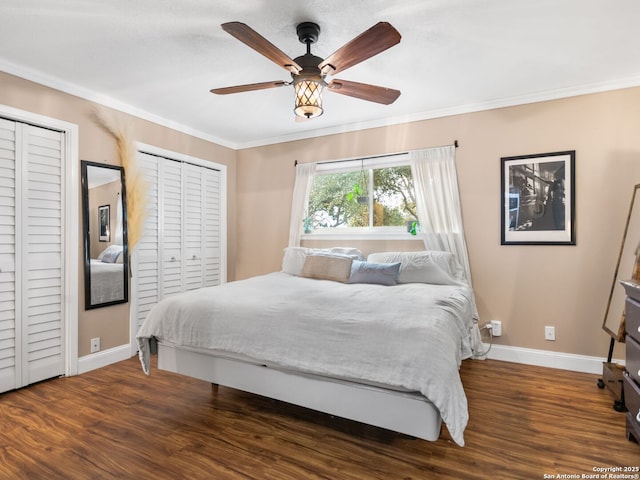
x=117, y=423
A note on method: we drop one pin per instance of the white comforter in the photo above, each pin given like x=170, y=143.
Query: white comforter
x=411, y=335
x=107, y=282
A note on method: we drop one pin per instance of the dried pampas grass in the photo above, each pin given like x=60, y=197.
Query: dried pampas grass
x=136, y=185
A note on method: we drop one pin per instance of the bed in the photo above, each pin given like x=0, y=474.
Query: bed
x=107, y=275
x=380, y=346
x=107, y=282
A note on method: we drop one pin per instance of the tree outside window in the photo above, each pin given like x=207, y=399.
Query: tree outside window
x=390, y=199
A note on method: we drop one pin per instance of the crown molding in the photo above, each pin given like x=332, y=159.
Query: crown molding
x=107, y=101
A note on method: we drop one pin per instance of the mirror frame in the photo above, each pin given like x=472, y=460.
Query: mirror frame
x=614, y=320
x=88, y=305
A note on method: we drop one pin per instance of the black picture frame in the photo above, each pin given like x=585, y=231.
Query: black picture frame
x=538, y=199
x=104, y=224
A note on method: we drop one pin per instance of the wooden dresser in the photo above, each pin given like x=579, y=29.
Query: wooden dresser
x=631, y=380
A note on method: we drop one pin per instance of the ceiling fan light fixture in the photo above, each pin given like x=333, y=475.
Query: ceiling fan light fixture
x=308, y=97
x=309, y=72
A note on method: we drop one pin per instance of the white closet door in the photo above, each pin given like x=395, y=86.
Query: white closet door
x=171, y=193
x=212, y=227
x=146, y=271
x=9, y=346
x=42, y=253
x=181, y=243
x=31, y=254
x=193, y=227
x=202, y=227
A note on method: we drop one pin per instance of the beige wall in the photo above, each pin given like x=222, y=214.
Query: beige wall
x=527, y=287
x=111, y=324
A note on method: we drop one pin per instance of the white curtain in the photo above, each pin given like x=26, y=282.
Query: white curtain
x=119, y=222
x=435, y=182
x=438, y=202
x=301, y=190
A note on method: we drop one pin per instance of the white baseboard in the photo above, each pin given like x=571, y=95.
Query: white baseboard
x=104, y=358
x=545, y=358
x=527, y=356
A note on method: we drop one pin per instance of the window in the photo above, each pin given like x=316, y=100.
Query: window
x=362, y=195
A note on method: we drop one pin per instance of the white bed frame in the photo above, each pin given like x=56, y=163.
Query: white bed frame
x=404, y=412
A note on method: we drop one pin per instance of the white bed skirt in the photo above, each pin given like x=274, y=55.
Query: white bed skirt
x=409, y=413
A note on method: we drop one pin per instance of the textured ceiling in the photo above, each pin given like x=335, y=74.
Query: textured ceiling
x=159, y=58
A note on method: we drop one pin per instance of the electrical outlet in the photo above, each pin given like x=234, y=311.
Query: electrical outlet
x=496, y=328
x=95, y=344
x=549, y=333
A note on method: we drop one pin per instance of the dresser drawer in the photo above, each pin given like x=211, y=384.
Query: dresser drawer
x=632, y=318
x=632, y=401
x=633, y=359
x=633, y=429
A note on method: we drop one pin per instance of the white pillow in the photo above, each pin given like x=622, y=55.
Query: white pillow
x=429, y=266
x=294, y=257
x=110, y=254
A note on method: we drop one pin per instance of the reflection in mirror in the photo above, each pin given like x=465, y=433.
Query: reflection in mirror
x=105, y=235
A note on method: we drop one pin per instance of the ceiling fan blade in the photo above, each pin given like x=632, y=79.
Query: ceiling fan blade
x=248, y=88
x=253, y=39
x=369, y=43
x=364, y=91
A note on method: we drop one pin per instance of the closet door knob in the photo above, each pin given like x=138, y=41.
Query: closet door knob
x=173, y=259
x=194, y=258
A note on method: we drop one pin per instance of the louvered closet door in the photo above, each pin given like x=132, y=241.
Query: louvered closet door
x=9, y=338
x=212, y=227
x=146, y=271
x=181, y=243
x=171, y=198
x=42, y=255
x=193, y=226
x=201, y=227
x=31, y=263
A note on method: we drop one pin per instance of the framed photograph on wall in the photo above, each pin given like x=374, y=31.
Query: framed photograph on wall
x=104, y=228
x=538, y=199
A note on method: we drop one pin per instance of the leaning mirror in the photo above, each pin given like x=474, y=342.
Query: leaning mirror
x=626, y=269
x=105, y=235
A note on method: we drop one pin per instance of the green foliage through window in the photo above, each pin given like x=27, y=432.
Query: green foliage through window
x=339, y=200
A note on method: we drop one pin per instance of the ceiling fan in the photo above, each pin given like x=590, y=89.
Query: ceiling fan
x=309, y=73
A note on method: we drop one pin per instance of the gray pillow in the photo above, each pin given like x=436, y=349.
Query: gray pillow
x=376, y=273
